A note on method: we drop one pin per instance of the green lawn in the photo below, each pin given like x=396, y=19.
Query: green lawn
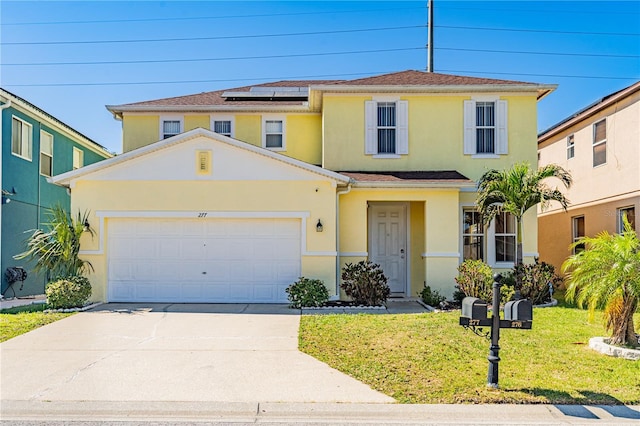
x=22, y=319
x=429, y=358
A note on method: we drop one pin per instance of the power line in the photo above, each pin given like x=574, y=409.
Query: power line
x=193, y=18
x=306, y=77
x=300, y=77
x=296, y=55
x=603, y=11
x=234, y=58
x=522, y=30
x=528, y=52
x=23, y=43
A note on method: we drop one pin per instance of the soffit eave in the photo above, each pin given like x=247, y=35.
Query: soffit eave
x=413, y=185
x=118, y=110
x=541, y=89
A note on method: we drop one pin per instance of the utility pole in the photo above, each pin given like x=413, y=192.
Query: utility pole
x=430, y=35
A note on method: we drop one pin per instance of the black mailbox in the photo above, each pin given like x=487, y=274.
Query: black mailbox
x=518, y=310
x=474, y=308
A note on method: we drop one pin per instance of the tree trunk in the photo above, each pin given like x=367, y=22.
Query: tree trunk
x=623, y=331
x=518, y=277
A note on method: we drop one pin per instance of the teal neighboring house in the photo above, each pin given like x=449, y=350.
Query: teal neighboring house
x=35, y=146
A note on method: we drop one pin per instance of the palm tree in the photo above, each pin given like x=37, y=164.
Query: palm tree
x=607, y=275
x=518, y=189
x=56, y=251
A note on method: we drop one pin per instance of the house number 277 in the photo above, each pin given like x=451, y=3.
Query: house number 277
x=202, y=214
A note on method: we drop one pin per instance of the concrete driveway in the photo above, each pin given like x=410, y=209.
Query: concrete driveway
x=164, y=352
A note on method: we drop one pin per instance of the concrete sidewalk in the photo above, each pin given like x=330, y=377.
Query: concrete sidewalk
x=314, y=413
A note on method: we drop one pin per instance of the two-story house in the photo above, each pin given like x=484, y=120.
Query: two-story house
x=231, y=195
x=35, y=146
x=600, y=146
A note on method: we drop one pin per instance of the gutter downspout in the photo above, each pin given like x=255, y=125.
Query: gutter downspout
x=2, y=107
x=338, y=194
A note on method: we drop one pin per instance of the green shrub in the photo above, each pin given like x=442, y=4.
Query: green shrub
x=307, y=293
x=475, y=279
x=537, y=281
x=431, y=297
x=71, y=292
x=365, y=283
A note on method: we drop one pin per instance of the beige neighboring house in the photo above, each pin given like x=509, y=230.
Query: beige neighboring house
x=600, y=147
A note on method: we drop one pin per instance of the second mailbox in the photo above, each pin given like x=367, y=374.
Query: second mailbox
x=518, y=310
x=474, y=308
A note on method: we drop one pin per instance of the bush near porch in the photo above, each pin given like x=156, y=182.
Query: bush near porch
x=429, y=358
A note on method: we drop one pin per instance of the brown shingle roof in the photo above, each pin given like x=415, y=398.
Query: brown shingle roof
x=402, y=78
x=424, y=176
x=215, y=98
x=422, y=78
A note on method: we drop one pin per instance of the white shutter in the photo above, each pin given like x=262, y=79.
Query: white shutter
x=469, y=127
x=502, y=145
x=371, y=126
x=402, y=127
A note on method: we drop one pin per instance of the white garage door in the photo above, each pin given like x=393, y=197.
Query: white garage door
x=202, y=260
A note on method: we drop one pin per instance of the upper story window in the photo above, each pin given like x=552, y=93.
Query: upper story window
x=46, y=153
x=386, y=128
x=571, y=144
x=21, y=137
x=78, y=158
x=222, y=127
x=485, y=127
x=630, y=214
x=273, y=134
x=170, y=126
x=600, y=143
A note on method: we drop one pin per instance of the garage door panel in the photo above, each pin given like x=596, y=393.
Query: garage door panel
x=263, y=271
x=210, y=260
x=192, y=291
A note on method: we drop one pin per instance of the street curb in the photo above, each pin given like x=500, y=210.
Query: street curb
x=327, y=412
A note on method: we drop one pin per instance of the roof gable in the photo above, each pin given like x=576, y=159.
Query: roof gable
x=175, y=159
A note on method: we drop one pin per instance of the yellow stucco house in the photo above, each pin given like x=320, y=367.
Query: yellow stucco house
x=230, y=196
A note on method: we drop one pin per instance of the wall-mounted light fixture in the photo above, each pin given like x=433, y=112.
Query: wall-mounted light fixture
x=319, y=226
x=86, y=225
x=6, y=200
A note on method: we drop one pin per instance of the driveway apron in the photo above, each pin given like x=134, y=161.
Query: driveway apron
x=163, y=352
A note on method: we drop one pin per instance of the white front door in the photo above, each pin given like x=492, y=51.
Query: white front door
x=388, y=242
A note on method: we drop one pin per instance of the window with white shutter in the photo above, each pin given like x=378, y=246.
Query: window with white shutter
x=386, y=128
x=485, y=127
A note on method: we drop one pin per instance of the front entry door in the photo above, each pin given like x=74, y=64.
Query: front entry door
x=388, y=242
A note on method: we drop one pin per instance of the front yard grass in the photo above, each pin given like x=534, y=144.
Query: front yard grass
x=22, y=319
x=429, y=358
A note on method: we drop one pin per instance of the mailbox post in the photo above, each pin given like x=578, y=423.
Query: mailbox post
x=494, y=350
x=517, y=314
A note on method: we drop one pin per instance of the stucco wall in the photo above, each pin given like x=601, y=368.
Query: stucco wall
x=433, y=233
x=303, y=132
x=555, y=234
x=623, y=155
x=228, y=196
x=435, y=135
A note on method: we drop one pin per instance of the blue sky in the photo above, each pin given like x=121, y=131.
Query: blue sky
x=588, y=48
